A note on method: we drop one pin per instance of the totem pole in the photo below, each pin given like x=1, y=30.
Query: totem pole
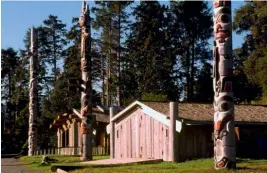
x=86, y=95
x=33, y=94
x=224, y=134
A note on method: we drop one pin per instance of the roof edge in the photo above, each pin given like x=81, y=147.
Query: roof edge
x=120, y=114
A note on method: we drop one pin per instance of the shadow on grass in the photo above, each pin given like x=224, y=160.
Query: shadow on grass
x=77, y=167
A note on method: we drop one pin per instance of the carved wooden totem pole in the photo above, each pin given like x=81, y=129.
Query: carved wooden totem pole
x=33, y=93
x=224, y=134
x=86, y=95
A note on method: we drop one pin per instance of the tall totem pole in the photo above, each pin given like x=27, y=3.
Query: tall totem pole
x=224, y=134
x=86, y=95
x=33, y=94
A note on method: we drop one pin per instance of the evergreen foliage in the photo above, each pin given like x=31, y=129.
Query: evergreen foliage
x=252, y=20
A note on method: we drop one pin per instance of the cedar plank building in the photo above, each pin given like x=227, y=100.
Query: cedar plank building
x=157, y=130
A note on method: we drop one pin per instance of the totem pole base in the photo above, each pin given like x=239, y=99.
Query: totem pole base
x=83, y=159
x=229, y=165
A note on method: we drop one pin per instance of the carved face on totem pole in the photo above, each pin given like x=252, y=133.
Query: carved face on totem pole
x=224, y=136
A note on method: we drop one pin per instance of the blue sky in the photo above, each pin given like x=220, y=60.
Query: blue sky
x=17, y=17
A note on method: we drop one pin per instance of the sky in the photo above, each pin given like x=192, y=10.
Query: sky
x=17, y=17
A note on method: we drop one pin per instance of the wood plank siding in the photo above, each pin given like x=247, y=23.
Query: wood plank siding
x=140, y=136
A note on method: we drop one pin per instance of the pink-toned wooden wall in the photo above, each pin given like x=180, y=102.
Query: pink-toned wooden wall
x=140, y=136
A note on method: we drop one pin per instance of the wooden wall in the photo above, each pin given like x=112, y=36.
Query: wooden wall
x=140, y=136
x=193, y=142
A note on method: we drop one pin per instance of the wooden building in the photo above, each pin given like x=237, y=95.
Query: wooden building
x=178, y=132
x=69, y=136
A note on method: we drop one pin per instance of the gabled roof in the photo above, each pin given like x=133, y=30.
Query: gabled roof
x=148, y=111
x=205, y=112
x=66, y=118
x=195, y=112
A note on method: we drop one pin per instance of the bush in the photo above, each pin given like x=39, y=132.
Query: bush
x=261, y=101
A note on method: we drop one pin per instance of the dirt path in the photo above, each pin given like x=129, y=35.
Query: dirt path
x=10, y=165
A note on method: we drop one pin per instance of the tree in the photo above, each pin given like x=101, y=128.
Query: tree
x=55, y=35
x=204, y=84
x=244, y=90
x=251, y=19
x=149, y=59
x=10, y=62
x=120, y=22
x=14, y=84
x=112, y=19
x=103, y=21
x=191, y=27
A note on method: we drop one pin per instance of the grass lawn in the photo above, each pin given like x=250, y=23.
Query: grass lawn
x=196, y=166
x=34, y=162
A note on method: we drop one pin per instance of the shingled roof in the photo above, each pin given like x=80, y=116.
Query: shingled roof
x=204, y=112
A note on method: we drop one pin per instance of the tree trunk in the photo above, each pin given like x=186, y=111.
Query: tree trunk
x=9, y=106
x=224, y=133
x=32, y=138
x=192, y=70
x=108, y=69
x=119, y=58
x=188, y=75
x=54, y=58
x=103, y=80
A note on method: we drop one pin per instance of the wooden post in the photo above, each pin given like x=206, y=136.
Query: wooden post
x=86, y=95
x=112, y=112
x=33, y=95
x=75, y=136
x=173, y=136
x=59, y=141
x=70, y=134
x=59, y=138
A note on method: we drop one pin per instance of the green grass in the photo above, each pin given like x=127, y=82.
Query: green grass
x=34, y=162
x=195, y=166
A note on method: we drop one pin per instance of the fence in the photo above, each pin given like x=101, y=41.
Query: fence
x=71, y=151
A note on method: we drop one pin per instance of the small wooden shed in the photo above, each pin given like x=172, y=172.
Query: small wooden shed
x=172, y=132
x=141, y=132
